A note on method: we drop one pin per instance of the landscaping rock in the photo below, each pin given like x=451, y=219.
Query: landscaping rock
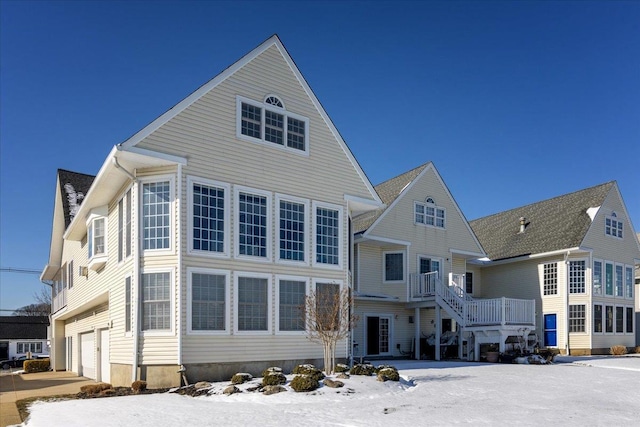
x=231, y=390
x=273, y=389
x=202, y=384
x=343, y=376
x=388, y=374
x=333, y=383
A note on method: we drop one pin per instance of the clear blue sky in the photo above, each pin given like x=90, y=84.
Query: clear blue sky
x=514, y=102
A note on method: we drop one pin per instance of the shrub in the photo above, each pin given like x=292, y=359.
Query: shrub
x=381, y=367
x=271, y=370
x=95, y=388
x=301, y=383
x=388, y=374
x=365, y=369
x=618, y=350
x=340, y=368
x=309, y=370
x=36, y=365
x=274, y=378
x=241, y=378
x=637, y=350
x=139, y=386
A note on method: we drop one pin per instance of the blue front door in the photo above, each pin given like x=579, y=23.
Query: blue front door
x=550, y=331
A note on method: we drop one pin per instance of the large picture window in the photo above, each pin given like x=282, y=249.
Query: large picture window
x=550, y=278
x=253, y=225
x=394, y=266
x=629, y=320
x=207, y=221
x=619, y=287
x=619, y=320
x=252, y=304
x=156, y=217
x=577, y=318
x=628, y=282
x=576, y=277
x=597, y=318
x=291, y=305
x=597, y=277
x=156, y=301
x=208, y=298
x=291, y=226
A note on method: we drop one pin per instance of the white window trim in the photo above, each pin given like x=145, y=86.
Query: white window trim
x=436, y=207
x=613, y=218
x=593, y=318
x=236, y=276
x=314, y=208
x=602, y=278
x=277, y=304
x=191, y=180
x=586, y=319
x=172, y=214
x=227, y=296
x=586, y=275
x=236, y=228
x=307, y=214
x=285, y=113
x=97, y=261
x=624, y=282
x=615, y=295
x=440, y=260
x=541, y=275
x=172, y=303
x=384, y=266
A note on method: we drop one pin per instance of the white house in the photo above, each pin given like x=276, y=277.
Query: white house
x=198, y=239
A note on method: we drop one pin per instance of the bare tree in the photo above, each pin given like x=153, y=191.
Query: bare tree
x=42, y=306
x=329, y=319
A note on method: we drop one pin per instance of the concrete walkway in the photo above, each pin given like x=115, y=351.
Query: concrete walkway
x=14, y=387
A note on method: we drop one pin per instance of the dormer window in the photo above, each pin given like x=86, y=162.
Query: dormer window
x=613, y=226
x=271, y=123
x=97, y=238
x=428, y=213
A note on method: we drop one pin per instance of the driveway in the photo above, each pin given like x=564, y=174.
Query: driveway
x=14, y=387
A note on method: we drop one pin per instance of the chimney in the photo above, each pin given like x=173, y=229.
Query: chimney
x=523, y=224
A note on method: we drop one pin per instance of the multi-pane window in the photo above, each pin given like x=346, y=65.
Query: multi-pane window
x=597, y=277
x=576, y=277
x=127, y=304
x=33, y=347
x=252, y=225
x=156, y=204
x=270, y=122
x=577, y=318
x=429, y=214
x=208, y=218
x=124, y=227
x=393, y=267
x=618, y=281
x=156, y=301
x=612, y=226
x=629, y=321
x=468, y=279
x=292, y=230
x=628, y=281
x=291, y=297
x=327, y=236
x=608, y=313
x=597, y=318
x=550, y=279
x=96, y=237
x=619, y=320
x=608, y=278
x=252, y=304
x=208, y=302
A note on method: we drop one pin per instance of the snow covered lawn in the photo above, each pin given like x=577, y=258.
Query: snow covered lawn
x=595, y=390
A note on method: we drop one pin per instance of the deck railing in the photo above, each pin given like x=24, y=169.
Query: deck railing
x=59, y=299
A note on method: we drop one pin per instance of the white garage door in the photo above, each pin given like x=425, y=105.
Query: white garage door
x=87, y=355
x=105, y=367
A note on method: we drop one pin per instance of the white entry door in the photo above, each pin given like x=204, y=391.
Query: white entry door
x=87, y=355
x=105, y=367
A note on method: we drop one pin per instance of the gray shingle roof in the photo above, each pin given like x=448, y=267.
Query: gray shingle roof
x=23, y=327
x=73, y=187
x=553, y=224
x=388, y=192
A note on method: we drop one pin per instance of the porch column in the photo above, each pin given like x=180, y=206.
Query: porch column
x=438, y=330
x=416, y=327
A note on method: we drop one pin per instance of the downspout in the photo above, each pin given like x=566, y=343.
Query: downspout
x=566, y=301
x=178, y=278
x=50, y=328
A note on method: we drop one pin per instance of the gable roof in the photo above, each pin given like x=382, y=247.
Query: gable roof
x=73, y=188
x=23, y=327
x=553, y=224
x=388, y=191
x=274, y=40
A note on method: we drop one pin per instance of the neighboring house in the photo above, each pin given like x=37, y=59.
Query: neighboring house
x=415, y=285
x=575, y=255
x=198, y=239
x=20, y=335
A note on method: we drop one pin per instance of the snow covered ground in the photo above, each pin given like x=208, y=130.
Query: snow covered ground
x=594, y=390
